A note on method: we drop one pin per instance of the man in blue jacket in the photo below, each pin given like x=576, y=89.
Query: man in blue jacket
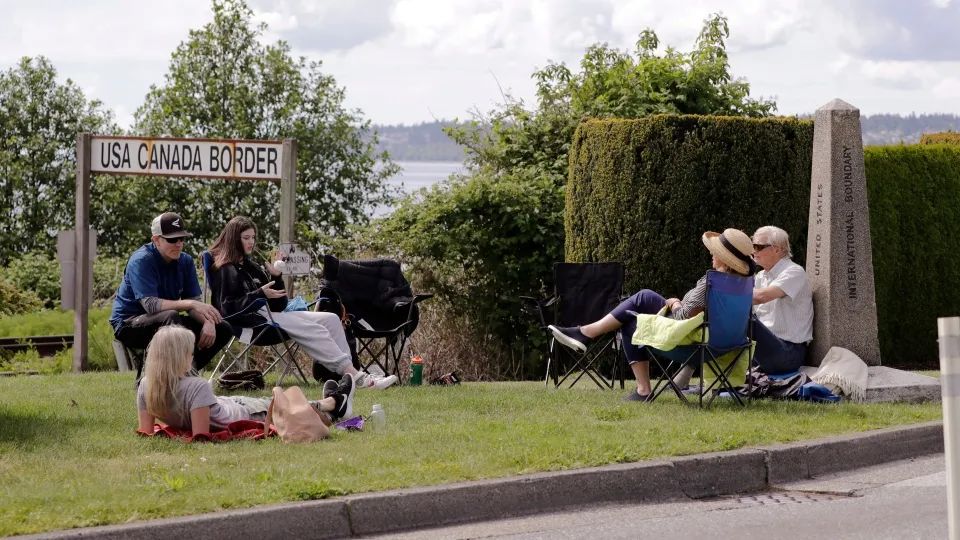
x=159, y=287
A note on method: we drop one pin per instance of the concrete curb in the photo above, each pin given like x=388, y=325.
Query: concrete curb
x=689, y=477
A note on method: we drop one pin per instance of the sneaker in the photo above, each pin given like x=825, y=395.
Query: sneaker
x=344, y=397
x=634, y=396
x=330, y=388
x=378, y=382
x=570, y=336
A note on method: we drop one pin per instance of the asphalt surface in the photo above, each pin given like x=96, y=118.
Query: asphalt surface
x=897, y=500
x=682, y=480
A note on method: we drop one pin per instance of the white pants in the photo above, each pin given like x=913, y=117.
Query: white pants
x=319, y=333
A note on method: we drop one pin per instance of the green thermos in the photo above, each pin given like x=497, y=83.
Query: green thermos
x=416, y=370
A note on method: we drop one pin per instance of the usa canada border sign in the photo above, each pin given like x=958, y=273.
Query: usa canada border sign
x=203, y=158
x=227, y=159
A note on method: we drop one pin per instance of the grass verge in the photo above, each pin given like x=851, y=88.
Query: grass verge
x=69, y=456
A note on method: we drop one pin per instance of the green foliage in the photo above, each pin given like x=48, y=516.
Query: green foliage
x=14, y=300
x=915, y=229
x=480, y=242
x=947, y=137
x=38, y=273
x=522, y=155
x=644, y=191
x=610, y=84
x=223, y=82
x=57, y=323
x=39, y=122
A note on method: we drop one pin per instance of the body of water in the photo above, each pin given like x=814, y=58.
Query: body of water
x=414, y=175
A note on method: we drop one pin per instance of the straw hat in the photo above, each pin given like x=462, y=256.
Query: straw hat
x=733, y=247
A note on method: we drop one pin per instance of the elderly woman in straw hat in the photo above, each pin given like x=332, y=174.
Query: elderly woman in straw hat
x=731, y=251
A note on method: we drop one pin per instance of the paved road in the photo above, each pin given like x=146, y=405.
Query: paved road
x=899, y=500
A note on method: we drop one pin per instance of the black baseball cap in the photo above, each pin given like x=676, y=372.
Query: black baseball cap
x=169, y=225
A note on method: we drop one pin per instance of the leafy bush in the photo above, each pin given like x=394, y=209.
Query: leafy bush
x=14, y=300
x=644, y=191
x=36, y=272
x=479, y=243
x=946, y=137
x=39, y=273
x=496, y=236
x=915, y=228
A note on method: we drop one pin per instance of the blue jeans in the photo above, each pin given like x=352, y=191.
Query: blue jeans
x=774, y=355
x=644, y=301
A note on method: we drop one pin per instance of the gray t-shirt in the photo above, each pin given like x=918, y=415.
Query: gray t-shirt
x=193, y=393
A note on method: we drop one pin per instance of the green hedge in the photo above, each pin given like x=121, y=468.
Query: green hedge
x=946, y=137
x=915, y=228
x=643, y=191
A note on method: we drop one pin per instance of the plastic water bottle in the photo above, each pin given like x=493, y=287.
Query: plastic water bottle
x=416, y=371
x=377, y=418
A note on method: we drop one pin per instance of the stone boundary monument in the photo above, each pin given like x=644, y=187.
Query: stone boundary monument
x=839, y=257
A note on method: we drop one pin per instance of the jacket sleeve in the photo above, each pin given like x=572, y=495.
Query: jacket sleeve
x=228, y=291
x=276, y=304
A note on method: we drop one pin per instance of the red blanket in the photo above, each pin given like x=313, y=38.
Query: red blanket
x=241, y=429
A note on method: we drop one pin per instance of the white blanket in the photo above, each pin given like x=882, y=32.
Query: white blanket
x=846, y=371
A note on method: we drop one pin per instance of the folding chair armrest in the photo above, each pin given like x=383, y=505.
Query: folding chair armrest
x=252, y=307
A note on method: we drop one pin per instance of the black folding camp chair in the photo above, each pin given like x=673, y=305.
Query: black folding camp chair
x=267, y=336
x=583, y=293
x=724, y=335
x=382, y=309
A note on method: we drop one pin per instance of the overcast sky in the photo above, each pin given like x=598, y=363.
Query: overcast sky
x=409, y=61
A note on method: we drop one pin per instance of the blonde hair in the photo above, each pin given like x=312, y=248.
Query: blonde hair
x=168, y=359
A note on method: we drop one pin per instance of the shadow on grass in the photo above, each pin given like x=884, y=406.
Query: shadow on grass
x=32, y=427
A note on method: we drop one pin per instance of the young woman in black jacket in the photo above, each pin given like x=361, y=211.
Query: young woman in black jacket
x=236, y=280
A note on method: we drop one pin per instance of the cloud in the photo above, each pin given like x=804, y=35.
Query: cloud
x=325, y=26
x=896, y=30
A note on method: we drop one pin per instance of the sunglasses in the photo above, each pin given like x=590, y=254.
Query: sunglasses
x=760, y=247
x=179, y=240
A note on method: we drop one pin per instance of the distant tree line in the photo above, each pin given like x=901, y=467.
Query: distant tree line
x=882, y=129
x=428, y=142
x=420, y=142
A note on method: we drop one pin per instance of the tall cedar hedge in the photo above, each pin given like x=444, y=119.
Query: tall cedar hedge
x=915, y=227
x=643, y=191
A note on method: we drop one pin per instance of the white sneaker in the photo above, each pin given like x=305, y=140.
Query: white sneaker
x=378, y=382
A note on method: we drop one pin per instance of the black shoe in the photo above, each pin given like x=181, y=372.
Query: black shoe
x=634, y=396
x=330, y=388
x=570, y=336
x=344, y=398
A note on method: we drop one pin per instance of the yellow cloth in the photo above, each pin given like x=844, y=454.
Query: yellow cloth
x=663, y=333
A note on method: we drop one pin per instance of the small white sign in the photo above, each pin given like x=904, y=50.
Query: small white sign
x=296, y=261
x=210, y=158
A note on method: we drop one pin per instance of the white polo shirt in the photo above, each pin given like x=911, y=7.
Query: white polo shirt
x=789, y=317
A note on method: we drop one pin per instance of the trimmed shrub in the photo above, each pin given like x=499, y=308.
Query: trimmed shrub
x=946, y=137
x=915, y=228
x=644, y=191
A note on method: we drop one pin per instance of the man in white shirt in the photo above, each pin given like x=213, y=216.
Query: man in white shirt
x=783, y=304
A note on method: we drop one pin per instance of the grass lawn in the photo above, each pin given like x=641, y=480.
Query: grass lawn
x=69, y=456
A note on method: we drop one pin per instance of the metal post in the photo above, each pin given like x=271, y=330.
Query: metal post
x=288, y=200
x=948, y=329
x=81, y=304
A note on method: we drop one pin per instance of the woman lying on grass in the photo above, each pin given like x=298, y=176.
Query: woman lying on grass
x=170, y=393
